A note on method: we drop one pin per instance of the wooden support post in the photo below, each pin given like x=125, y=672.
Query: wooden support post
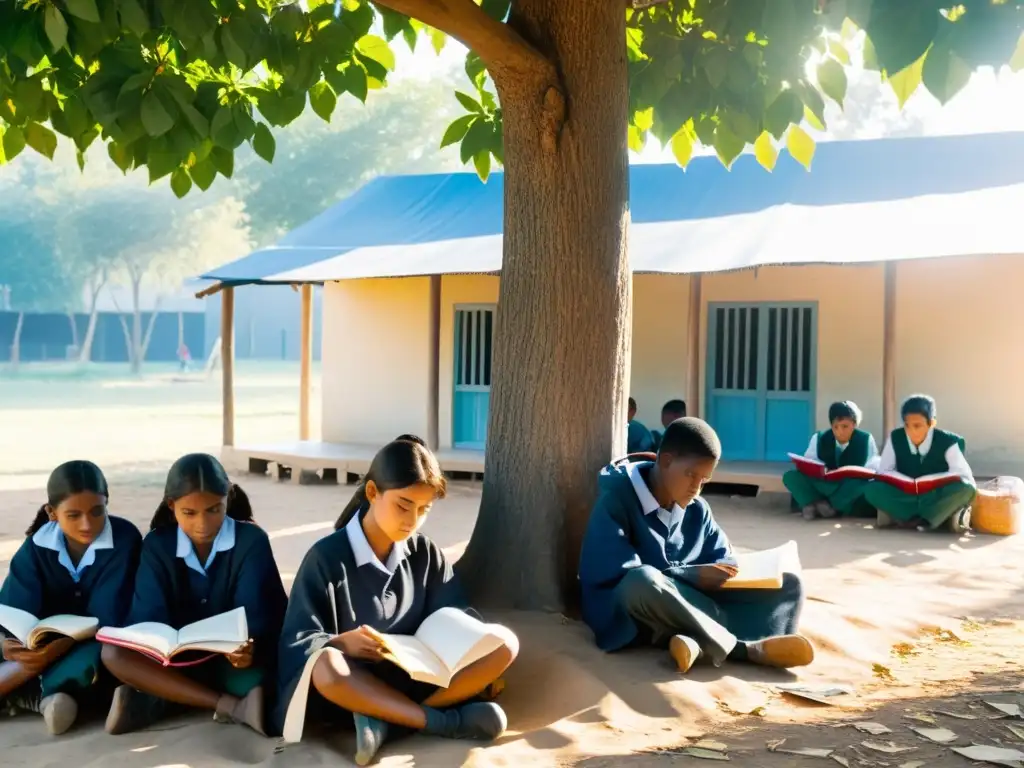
x=227, y=363
x=693, y=348
x=306, y=362
x=434, y=363
x=889, y=406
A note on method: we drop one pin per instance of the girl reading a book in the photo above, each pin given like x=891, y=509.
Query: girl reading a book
x=203, y=556
x=376, y=574
x=76, y=560
x=843, y=445
x=917, y=449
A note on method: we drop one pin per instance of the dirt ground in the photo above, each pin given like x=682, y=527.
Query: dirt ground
x=910, y=623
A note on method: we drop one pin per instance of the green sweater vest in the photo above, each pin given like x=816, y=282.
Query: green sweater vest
x=933, y=463
x=855, y=453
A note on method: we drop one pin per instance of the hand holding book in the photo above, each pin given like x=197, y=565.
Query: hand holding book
x=361, y=643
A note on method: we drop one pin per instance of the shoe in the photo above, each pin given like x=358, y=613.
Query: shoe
x=960, y=522
x=883, y=520
x=810, y=511
x=479, y=720
x=59, y=710
x=782, y=652
x=132, y=710
x=684, y=651
x=825, y=510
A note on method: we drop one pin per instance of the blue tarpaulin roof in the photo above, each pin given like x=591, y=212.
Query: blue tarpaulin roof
x=863, y=201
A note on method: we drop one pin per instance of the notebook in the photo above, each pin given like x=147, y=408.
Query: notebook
x=765, y=569
x=817, y=470
x=34, y=633
x=221, y=634
x=920, y=485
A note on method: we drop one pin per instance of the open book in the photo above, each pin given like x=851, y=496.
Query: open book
x=224, y=633
x=920, y=485
x=764, y=570
x=448, y=641
x=817, y=470
x=34, y=633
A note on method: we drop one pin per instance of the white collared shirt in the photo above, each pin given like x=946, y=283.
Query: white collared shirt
x=50, y=536
x=363, y=552
x=222, y=542
x=648, y=503
x=812, y=450
x=955, y=458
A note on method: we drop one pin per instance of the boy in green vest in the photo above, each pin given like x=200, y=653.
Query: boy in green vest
x=843, y=445
x=917, y=449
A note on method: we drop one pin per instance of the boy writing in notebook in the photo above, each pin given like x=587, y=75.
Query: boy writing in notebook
x=654, y=561
x=844, y=444
x=916, y=449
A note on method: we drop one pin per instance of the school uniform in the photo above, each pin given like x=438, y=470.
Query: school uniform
x=638, y=438
x=939, y=452
x=44, y=582
x=638, y=575
x=342, y=585
x=844, y=496
x=173, y=587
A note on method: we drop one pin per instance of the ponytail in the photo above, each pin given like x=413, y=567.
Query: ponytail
x=163, y=517
x=42, y=518
x=238, y=506
x=354, y=507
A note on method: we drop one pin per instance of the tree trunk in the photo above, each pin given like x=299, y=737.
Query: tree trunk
x=563, y=329
x=73, y=322
x=16, y=341
x=136, y=352
x=85, y=354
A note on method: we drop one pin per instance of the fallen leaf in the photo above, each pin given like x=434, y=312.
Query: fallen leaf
x=887, y=747
x=1008, y=710
x=875, y=729
x=705, y=754
x=1013, y=758
x=775, y=744
x=957, y=715
x=1016, y=730
x=938, y=735
x=714, y=746
x=922, y=718
x=841, y=760
x=819, y=694
x=882, y=672
x=807, y=751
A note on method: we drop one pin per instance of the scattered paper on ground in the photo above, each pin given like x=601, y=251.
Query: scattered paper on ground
x=887, y=747
x=1013, y=758
x=938, y=735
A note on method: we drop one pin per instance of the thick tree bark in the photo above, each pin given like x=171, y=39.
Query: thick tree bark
x=563, y=330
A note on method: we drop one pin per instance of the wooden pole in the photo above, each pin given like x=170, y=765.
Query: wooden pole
x=693, y=349
x=306, y=362
x=227, y=362
x=434, y=363
x=889, y=411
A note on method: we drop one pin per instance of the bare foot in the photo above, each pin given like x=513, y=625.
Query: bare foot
x=783, y=652
x=684, y=651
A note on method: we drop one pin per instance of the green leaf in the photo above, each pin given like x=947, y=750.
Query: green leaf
x=181, y=183
x=80, y=159
x=812, y=120
x=902, y=32
x=832, y=79
x=234, y=52
x=155, y=118
x=870, y=57
x=133, y=17
x=635, y=139
x=906, y=82
x=84, y=9
x=223, y=160
x=496, y=9
x=56, y=27
x=644, y=119
x=41, y=139
x=203, y=173
x=120, y=155
x=457, y=130
x=322, y=100
x=13, y=142
x=356, y=82
x=1017, y=60
x=376, y=48
x=944, y=73
x=682, y=146
x=477, y=139
x=765, y=151
x=222, y=127
x=263, y=142
x=482, y=163
x=728, y=145
x=438, y=40
x=814, y=103
x=801, y=146
x=787, y=109
x=469, y=102
x=838, y=50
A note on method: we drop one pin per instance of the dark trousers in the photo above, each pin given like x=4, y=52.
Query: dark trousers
x=721, y=622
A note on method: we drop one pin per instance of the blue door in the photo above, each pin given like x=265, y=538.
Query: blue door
x=761, y=367
x=474, y=330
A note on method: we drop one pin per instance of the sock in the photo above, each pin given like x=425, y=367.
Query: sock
x=739, y=652
x=370, y=736
x=478, y=720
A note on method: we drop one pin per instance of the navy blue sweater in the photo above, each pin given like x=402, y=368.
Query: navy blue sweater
x=39, y=584
x=169, y=592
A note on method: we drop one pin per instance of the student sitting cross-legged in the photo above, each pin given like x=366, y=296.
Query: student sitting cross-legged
x=654, y=561
x=843, y=445
x=376, y=574
x=203, y=556
x=916, y=449
x=80, y=561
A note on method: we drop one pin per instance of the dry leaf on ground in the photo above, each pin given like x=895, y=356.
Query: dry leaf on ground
x=875, y=729
x=1013, y=758
x=1008, y=710
x=705, y=754
x=886, y=747
x=938, y=735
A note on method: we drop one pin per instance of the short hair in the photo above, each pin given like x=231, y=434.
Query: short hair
x=632, y=403
x=921, y=405
x=675, y=406
x=690, y=437
x=844, y=409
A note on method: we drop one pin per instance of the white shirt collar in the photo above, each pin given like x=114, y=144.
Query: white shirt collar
x=648, y=503
x=926, y=444
x=363, y=552
x=222, y=542
x=50, y=536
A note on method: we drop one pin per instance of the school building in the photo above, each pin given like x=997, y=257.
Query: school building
x=894, y=267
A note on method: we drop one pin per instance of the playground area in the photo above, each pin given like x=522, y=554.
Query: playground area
x=911, y=626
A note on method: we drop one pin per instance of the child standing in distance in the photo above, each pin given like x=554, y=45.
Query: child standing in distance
x=654, y=561
x=377, y=574
x=843, y=445
x=638, y=437
x=76, y=560
x=671, y=411
x=203, y=556
x=916, y=449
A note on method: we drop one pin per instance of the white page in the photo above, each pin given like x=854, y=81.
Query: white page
x=17, y=622
x=767, y=565
x=224, y=628
x=149, y=634
x=457, y=638
x=418, y=660
x=75, y=627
